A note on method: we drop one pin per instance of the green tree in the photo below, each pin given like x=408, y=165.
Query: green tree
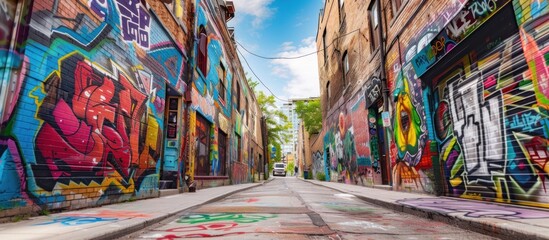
x=309, y=111
x=277, y=123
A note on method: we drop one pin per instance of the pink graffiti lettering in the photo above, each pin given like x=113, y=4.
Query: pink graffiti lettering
x=204, y=230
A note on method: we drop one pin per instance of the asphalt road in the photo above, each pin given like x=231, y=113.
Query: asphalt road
x=288, y=208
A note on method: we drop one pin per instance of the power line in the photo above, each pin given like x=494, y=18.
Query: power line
x=296, y=57
x=245, y=60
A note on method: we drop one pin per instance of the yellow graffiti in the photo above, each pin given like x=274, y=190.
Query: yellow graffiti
x=191, y=144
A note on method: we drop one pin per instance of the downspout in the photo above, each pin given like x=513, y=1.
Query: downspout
x=385, y=90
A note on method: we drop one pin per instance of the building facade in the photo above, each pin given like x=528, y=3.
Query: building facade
x=105, y=101
x=464, y=114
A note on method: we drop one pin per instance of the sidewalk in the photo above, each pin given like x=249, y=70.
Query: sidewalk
x=504, y=221
x=115, y=220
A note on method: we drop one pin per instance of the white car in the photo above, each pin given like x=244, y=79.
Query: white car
x=279, y=169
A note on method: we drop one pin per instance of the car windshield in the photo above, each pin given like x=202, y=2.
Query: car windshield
x=279, y=165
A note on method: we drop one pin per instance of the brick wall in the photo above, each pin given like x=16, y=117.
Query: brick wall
x=87, y=126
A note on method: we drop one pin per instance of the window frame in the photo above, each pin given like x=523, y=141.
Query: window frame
x=202, y=58
x=328, y=93
x=222, y=88
x=373, y=13
x=396, y=9
x=346, y=66
x=325, y=47
x=341, y=11
x=246, y=113
x=237, y=97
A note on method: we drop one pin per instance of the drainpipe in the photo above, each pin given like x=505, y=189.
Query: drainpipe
x=385, y=91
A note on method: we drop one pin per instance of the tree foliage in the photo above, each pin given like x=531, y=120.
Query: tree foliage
x=309, y=111
x=277, y=123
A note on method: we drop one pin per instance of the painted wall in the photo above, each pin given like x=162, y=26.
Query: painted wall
x=221, y=113
x=88, y=122
x=468, y=123
x=346, y=152
x=481, y=122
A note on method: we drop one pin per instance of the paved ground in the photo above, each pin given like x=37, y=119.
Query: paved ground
x=288, y=208
x=110, y=221
x=505, y=221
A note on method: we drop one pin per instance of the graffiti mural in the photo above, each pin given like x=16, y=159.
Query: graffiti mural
x=91, y=97
x=347, y=144
x=410, y=136
x=318, y=163
x=490, y=121
x=213, y=225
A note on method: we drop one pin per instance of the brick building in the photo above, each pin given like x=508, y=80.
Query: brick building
x=107, y=101
x=465, y=104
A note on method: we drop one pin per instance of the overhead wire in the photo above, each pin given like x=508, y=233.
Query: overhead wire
x=262, y=83
x=295, y=57
x=282, y=58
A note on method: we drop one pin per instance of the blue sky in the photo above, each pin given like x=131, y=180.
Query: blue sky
x=280, y=28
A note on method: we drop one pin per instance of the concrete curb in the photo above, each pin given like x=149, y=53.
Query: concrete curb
x=483, y=227
x=121, y=232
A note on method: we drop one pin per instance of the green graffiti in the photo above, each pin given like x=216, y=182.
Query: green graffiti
x=407, y=124
x=237, y=218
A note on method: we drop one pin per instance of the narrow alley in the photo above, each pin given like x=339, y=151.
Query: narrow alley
x=290, y=208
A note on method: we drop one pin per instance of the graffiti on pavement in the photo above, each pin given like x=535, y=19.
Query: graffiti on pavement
x=237, y=218
x=75, y=221
x=475, y=209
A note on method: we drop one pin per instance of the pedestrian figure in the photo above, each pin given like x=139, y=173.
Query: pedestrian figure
x=295, y=169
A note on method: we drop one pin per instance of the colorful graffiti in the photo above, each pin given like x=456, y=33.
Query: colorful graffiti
x=473, y=15
x=410, y=135
x=237, y=218
x=85, y=131
x=490, y=123
x=208, y=230
x=76, y=221
x=475, y=209
x=318, y=163
x=347, y=145
x=91, y=90
x=211, y=225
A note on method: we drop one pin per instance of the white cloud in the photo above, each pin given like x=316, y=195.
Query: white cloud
x=259, y=9
x=288, y=46
x=302, y=73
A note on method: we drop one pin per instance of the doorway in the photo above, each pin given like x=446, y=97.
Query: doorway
x=170, y=170
x=377, y=142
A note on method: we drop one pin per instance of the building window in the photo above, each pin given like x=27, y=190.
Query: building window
x=395, y=5
x=328, y=93
x=202, y=58
x=345, y=63
x=237, y=97
x=239, y=147
x=324, y=47
x=374, y=24
x=202, y=154
x=341, y=12
x=222, y=147
x=246, y=112
x=222, y=76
